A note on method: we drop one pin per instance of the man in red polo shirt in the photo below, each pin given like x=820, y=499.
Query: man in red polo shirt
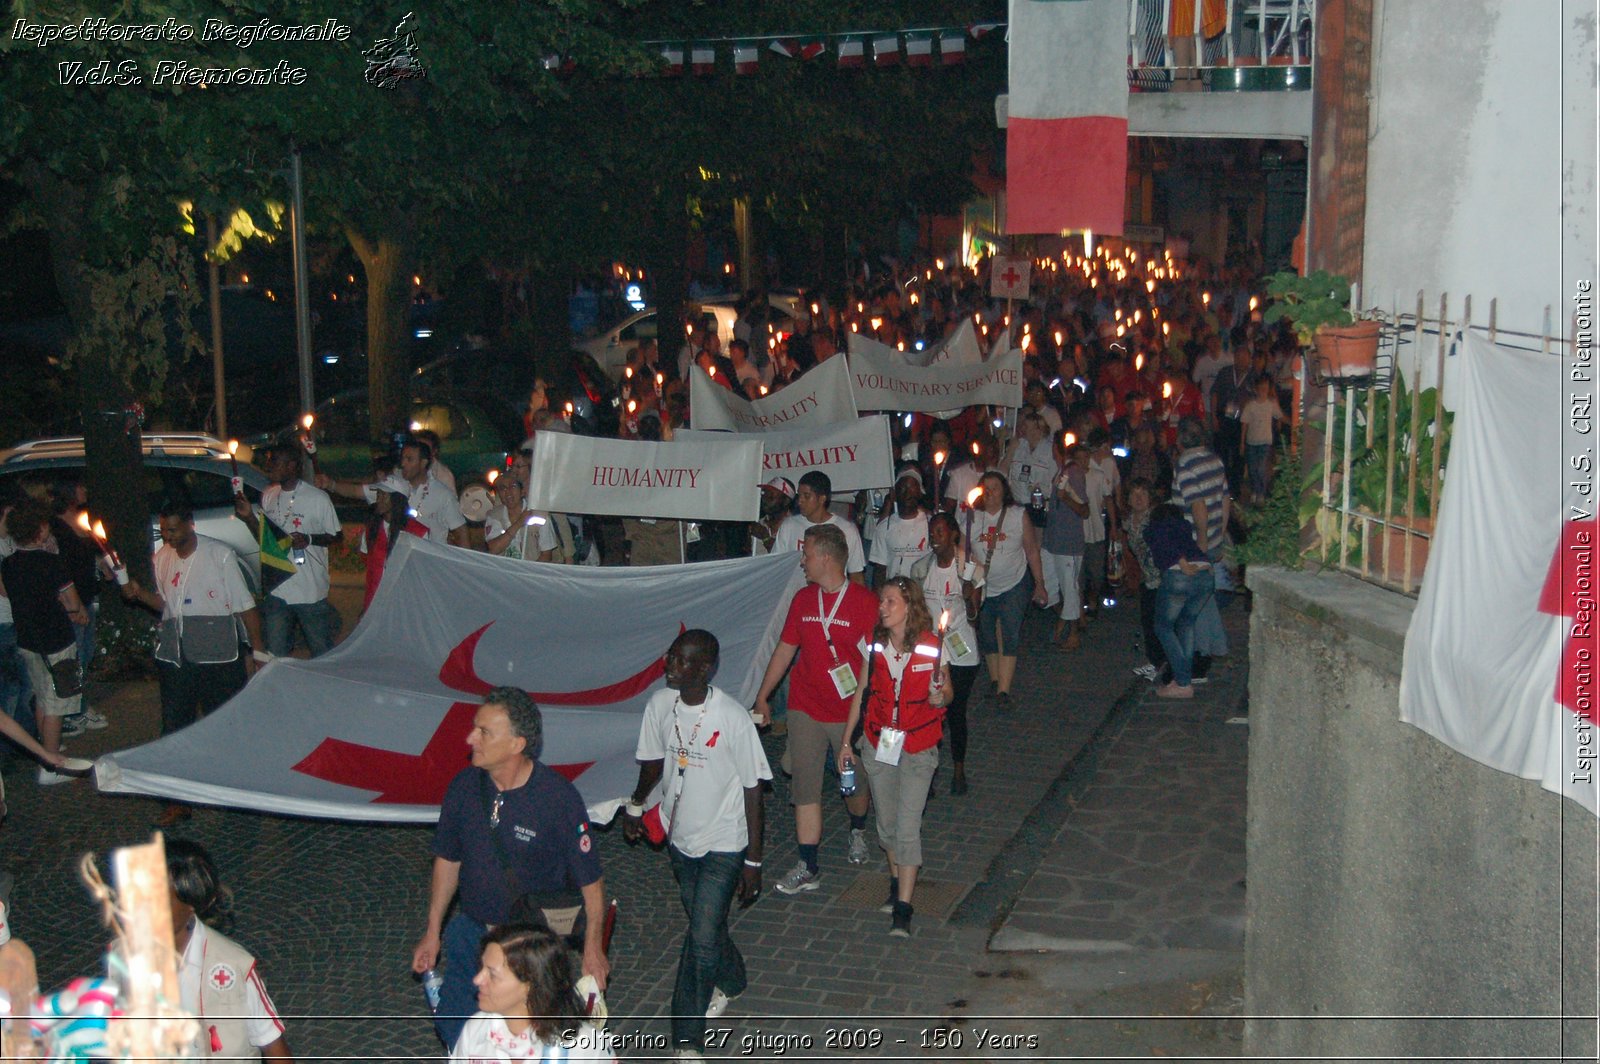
x=825, y=636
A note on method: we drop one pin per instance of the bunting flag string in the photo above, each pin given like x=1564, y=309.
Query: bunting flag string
x=914, y=46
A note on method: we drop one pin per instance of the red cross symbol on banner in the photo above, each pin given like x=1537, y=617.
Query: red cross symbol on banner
x=1569, y=593
x=1011, y=277
x=421, y=779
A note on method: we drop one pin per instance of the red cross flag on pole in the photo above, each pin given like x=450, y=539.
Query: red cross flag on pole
x=1499, y=657
x=1009, y=276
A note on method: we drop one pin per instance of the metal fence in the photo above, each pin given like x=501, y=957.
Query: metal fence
x=1219, y=33
x=1386, y=442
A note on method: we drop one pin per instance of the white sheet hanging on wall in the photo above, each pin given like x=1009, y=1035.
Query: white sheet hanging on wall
x=1500, y=653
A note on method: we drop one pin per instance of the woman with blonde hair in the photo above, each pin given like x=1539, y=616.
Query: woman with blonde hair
x=902, y=704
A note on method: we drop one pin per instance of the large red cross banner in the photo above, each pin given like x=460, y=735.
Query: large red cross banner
x=1500, y=655
x=376, y=728
x=1067, y=116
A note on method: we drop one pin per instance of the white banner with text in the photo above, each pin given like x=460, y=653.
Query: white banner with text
x=856, y=455
x=884, y=381
x=821, y=396
x=634, y=478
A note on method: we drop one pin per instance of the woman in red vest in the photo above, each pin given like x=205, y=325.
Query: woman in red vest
x=906, y=689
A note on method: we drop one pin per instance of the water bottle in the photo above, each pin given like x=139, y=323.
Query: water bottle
x=432, y=982
x=847, y=779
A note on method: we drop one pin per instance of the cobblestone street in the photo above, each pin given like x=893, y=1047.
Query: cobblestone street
x=333, y=909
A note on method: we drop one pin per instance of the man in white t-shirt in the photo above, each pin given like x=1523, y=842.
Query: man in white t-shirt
x=813, y=496
x=205, y=608
x=710, y=810
x=433, y=506
x=1102, y=483
x=305, y=514
x=902, y=537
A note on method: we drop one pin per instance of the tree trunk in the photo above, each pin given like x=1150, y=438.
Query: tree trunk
x=668, y=255
x=551, y=337
x=387, y=262
x=113, y=455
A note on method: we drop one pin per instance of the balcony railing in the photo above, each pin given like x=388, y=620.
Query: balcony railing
x=1220, y=45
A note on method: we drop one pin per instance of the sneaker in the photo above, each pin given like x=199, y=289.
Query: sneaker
x=1172, y=690
x=95, y=721
x=49, y=777
x=900, y=922
x=1148, y=672
x=894, y=896
x=1199, y=679
x=799, y=878
x=73, y=725
x=719, y=1003
x=858, y=846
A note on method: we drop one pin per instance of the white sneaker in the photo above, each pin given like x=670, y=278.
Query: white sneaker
x=858, y=846
x=49, y=778
x=93, y=721
x=719, y=1003
x=799, y=878
x=1148, y=672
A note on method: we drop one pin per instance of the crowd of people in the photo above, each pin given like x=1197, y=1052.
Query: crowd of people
x=1153, y=399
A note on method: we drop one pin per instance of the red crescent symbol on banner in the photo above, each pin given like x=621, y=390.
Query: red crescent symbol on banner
x=421, y=779
x=460, y=674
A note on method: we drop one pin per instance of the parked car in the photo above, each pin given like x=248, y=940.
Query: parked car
x=610, y=348
x=176, y=465
x=470, y=442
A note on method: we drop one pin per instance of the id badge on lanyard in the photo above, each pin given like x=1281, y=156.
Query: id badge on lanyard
x=955, y=645
x=843, y=676
x=891, y=741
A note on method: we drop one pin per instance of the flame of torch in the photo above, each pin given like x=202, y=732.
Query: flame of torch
x=1166, y=390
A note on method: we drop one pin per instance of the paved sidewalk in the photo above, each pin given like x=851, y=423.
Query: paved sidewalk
x=1092, y=817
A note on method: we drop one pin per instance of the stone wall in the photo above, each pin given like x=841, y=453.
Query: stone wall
x=1389, y=876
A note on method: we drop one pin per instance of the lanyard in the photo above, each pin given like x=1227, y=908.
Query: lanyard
x=827, y=619
x=682, y=754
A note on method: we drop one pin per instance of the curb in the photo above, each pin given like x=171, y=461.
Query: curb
x=990, y=902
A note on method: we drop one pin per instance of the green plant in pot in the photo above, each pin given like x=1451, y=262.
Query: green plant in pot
x=1317, y=307
x=1373, y=488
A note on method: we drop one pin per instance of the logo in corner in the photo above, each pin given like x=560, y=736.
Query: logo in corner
x=392, y=60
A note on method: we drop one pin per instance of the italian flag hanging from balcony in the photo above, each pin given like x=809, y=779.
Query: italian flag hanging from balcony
x=1067, y=121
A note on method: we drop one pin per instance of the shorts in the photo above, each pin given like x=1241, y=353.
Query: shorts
x=1005, y=609
x=46, y=701
x=809, y=741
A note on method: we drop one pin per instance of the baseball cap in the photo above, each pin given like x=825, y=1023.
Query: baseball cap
x=393, y=483
x=782, y=485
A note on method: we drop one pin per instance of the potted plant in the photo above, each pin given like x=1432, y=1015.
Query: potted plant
x=1317, y=306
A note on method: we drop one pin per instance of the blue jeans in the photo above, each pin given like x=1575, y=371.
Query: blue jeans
x=709, y=958
x=1178, y=604
x=1257, y=456
x=458, y=998
x=84, y=634
x=319, y=622
x=16, y=692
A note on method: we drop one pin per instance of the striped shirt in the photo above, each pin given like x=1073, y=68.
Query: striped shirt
x=1199, y=477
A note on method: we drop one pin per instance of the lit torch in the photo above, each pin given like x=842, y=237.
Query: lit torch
x=233, y=465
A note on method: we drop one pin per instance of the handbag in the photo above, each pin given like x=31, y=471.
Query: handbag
x=66, y=678
x=561, y=911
